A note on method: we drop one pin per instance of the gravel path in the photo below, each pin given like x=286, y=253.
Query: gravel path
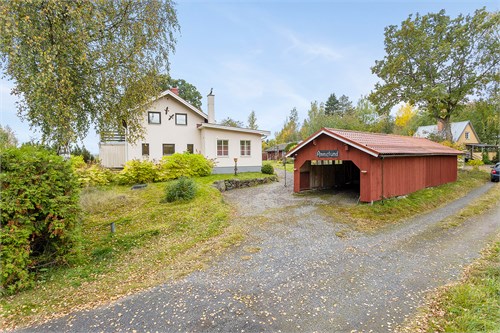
x=293, y=274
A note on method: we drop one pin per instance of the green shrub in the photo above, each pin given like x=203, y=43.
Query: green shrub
x=475, y=164
x=486, y=158
x=186, y=164
x=182, y=189
x=94, y=175
x=90, y=174
x=267, y=169
x=39, y=213
x=136, y=171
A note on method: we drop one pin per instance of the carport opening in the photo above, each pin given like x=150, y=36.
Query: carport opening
x=336, y=176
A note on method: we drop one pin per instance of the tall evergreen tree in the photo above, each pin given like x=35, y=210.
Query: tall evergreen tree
x=252, y=121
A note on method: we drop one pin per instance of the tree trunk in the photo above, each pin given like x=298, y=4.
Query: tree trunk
x=444, y=128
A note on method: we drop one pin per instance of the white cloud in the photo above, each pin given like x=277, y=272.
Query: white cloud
x=310, y=49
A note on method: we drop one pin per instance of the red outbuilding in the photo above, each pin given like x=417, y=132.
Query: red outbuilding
x=379, y=165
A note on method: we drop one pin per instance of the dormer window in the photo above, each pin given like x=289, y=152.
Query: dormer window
x=181, y=119
x=154, y=118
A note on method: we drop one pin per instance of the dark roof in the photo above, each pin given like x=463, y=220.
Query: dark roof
x=380, y=144
x=280, y=147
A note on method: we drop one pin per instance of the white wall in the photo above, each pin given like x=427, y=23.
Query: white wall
x=168, y=131
x=112, y=155
x=209, y=149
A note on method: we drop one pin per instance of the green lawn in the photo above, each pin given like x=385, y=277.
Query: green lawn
x=153, y=242
x=368, y=217
x=470, y=305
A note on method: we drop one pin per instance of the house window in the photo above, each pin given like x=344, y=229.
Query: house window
x=222, y=147
x=168, y=148
x=245, y=147
x=145, y=149
x=467, y=135
x=154, y=117
x=181, y=119
x=190, y=148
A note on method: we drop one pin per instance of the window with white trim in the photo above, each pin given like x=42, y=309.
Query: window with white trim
x=181, y=119
x=222, y=147
x=245, y=147
x=467, y=135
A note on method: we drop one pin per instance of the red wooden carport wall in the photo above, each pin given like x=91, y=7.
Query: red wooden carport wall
x=384, y=176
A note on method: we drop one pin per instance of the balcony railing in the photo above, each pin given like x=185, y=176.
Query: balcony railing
x=112, y=136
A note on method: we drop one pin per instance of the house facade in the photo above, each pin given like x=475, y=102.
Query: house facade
x=462, y=132
x=172, y=125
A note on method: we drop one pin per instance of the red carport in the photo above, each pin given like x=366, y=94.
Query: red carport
x=380, y=165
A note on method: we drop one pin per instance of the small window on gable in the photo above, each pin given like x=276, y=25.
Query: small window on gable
x=168, y=148
x=245, y=148
x=181, y=119
x=154, y=118
x=467, y=135
x=145, y=149
x=222, y=147
x=190, y=148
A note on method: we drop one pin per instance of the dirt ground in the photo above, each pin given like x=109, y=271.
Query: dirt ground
x=294, y=273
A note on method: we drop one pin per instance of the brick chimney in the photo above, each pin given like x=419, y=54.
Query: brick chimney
x=175, y=90
x=211, y=111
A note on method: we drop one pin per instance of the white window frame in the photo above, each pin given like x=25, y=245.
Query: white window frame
x=245, y=148
x=222, y=149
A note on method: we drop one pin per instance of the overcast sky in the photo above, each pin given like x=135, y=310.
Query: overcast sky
x=271, y=56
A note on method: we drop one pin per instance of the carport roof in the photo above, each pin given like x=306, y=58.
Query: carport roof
x=381, y=144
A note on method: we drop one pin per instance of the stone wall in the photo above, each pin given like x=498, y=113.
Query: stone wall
x=231, y=184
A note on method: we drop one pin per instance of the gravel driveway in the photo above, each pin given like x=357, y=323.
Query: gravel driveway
x=293, y=274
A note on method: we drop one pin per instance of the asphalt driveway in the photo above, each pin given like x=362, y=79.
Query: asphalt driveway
x=294, y=274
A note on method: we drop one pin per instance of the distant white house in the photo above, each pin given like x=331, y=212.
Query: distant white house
x=172, y=125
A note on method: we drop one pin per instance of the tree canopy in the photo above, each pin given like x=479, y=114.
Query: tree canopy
x=436, y=63
x=231, y=122
x=290, y=131
x=186, y=90
x=338, y=106
x=252, y=121
x=81, y=63
x=7, y=138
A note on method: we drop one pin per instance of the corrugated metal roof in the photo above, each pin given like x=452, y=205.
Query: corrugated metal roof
x=380, y=144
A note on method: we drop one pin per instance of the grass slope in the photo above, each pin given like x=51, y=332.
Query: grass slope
x=153, y=243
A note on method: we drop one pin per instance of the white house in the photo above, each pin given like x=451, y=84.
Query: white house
x=174, y=126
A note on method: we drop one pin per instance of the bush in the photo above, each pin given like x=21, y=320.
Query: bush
x=182, y=189
x=90, y=174
x=186, y=164
x=136, y=171
x=267, y=169
x=486, y=158
x=39, y=216
x=475, y=164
